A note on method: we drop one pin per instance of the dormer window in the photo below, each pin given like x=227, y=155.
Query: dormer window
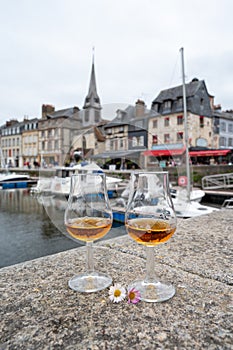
x=109, y=131
x=180, y=102
x=167, y=104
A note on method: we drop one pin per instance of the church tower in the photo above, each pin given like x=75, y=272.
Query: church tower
x=92, y=107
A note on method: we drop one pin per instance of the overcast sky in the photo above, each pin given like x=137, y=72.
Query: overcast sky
x=46, y=51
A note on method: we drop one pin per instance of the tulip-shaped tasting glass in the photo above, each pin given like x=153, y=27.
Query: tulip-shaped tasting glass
x=88, y=217
x=150, y=220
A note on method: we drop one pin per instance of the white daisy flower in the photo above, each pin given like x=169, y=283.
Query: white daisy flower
x=117, y=293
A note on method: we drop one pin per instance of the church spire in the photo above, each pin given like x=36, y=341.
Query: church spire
x=92, y=99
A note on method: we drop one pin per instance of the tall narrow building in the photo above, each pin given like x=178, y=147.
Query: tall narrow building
x=92, y=107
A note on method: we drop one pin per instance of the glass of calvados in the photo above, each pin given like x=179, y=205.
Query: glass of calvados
x=88, y=217
x=150, y=220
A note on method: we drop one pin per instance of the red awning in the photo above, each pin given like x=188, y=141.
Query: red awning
x=210, y=153
x=165, y=152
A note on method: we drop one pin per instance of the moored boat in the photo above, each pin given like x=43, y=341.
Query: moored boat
x=13, y=180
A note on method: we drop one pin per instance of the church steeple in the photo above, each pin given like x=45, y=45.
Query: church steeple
x=92, y=99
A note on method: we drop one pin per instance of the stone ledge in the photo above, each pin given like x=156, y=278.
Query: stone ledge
x=39, y=311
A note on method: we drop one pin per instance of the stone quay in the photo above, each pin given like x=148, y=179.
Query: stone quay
x=39, y=311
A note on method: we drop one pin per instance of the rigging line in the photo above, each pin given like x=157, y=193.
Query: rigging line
x=174, y=70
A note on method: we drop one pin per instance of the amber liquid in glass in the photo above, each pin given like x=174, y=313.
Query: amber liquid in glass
x=149, y=231
x=89, y=228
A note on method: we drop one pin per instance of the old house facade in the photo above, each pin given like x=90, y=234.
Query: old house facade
x=30, y=144
x=56, y=129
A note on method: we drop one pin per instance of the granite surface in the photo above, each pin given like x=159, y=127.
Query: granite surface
x=39, y=311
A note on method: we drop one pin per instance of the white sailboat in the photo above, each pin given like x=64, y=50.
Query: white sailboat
x=185, y=207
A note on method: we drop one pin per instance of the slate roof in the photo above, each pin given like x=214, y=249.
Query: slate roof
x=197, y=98
x=127, y=116
x=175, y=92
x=67, y=112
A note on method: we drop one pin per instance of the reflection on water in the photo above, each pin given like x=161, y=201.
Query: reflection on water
x=31, y=227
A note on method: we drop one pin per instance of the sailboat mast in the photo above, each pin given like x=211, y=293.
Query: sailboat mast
x=185, y=127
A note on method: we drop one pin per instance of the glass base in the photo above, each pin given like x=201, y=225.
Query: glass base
x=153, y=292
x=89, y=282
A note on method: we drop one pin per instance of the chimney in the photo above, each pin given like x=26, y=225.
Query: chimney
x=140, y=109
x=11, y=122
x=47, y=109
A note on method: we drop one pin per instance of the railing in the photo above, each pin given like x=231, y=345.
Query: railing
x=228, y=203
x=217, y=181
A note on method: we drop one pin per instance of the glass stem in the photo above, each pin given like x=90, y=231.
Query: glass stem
x=90, y=260
x=150, y=265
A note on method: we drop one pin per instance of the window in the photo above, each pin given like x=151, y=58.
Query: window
x=167, y=104
x=180, y=102
x=134, y=141
x=230, y=127
x=111, y=144
x=86, y=116
x=179, y=136
x=49, y=145
x=154, y=139
x=166, y=121
x=222, y=141
x=223, y=126
x=108, y=131
x=166, y=138
x=230, y=142
x=155, y=123
x=42, y=145
x=97, y=116
x=56, y=145
x=180, y=120
x=141, y=141
x=121, y=143
x=201, y=121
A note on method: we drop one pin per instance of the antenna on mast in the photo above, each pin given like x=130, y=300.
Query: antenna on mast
x=93, y=54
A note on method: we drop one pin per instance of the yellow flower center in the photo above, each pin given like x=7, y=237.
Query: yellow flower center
x=117, y=293
x=131, y=295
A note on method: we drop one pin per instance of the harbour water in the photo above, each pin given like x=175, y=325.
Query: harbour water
x=32, y=227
